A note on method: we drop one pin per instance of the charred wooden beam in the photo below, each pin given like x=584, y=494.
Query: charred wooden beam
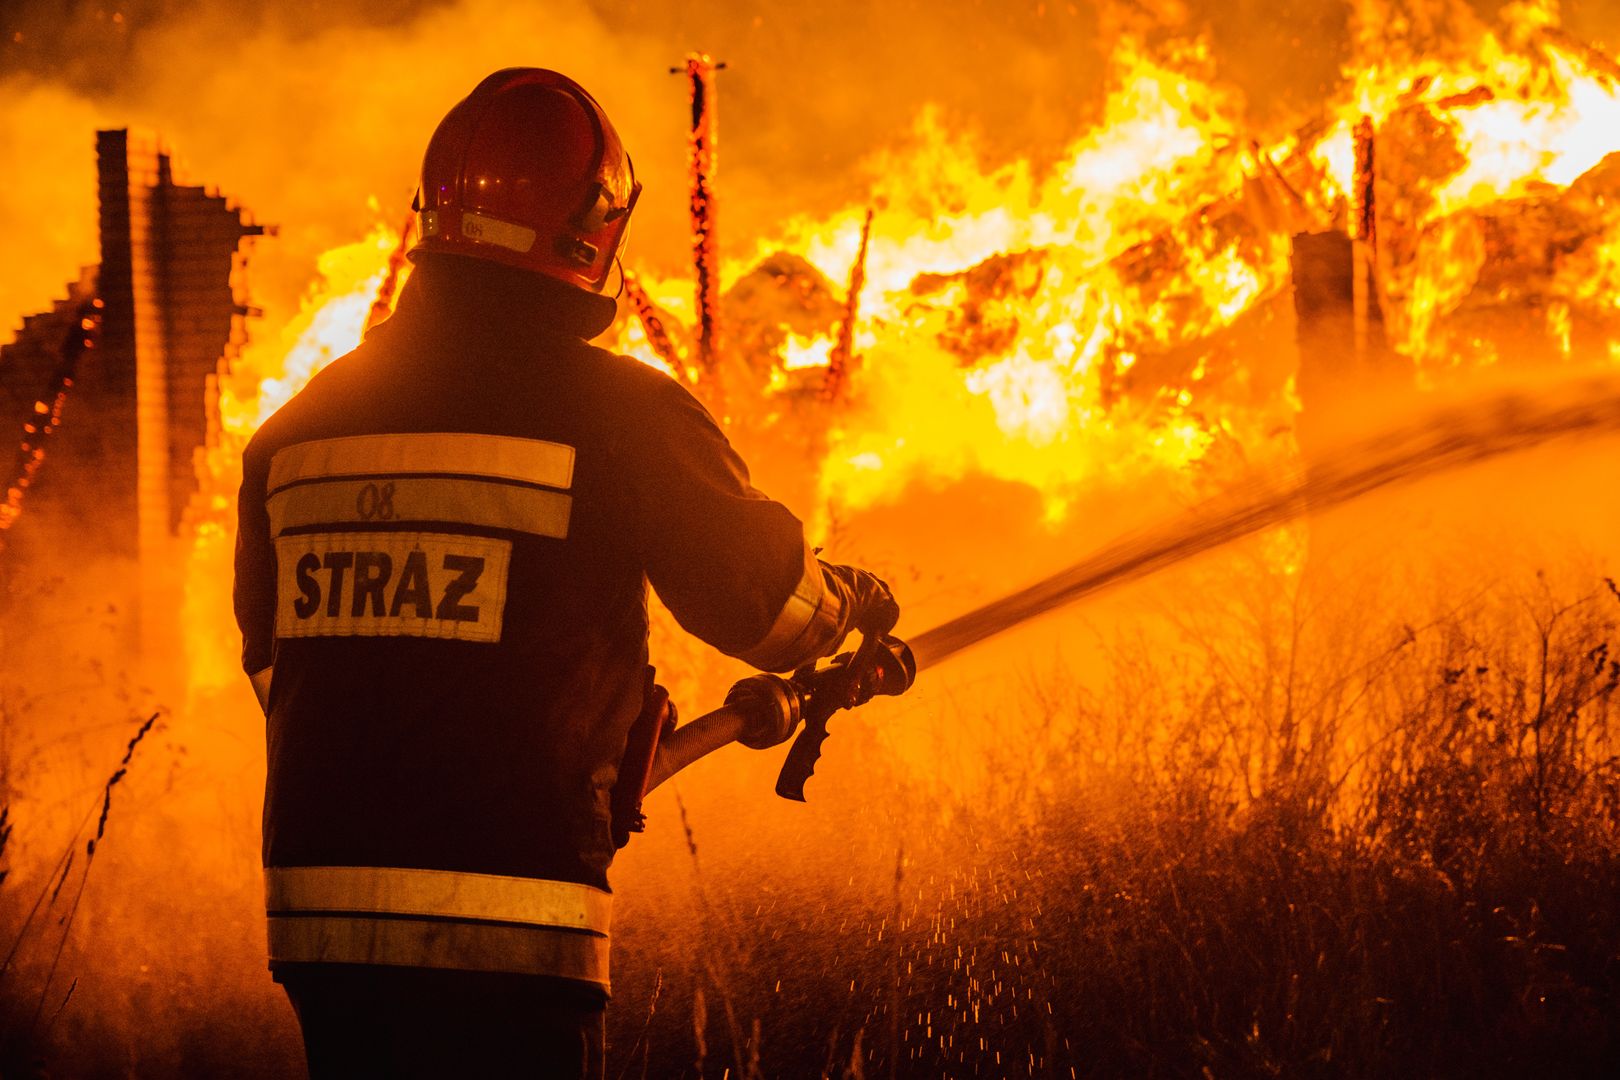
x=700, y=70
x=652, y=323
x=382, y=305
x=1364, y=232
x=843, y=352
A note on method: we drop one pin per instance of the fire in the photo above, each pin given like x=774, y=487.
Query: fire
x=271, y=370
x=1022, y=321
x=799, y=353
x=1500, y=125
x=328, y=324
x=1525, y=111
x=990, y=304
x=1552, y=137
x=1088, y=317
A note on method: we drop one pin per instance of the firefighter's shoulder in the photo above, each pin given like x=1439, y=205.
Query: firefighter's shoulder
x=650, y=395
x=285, y=425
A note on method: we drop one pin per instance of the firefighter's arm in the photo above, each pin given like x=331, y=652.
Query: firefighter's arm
x=254, y=592
x=731, y=564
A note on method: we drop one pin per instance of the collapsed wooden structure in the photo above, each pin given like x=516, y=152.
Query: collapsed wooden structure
x=113, y=391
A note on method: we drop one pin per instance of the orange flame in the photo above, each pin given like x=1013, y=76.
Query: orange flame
x=1009, y=314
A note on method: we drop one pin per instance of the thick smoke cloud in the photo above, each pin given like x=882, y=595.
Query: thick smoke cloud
x=48, y=214
x=303, y=126
x=304, y=114
x=305, y=111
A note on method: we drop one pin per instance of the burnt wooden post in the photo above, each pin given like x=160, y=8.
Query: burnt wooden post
x=1364, y=237
x=699, y=71
x=652, y=324
x=843, y=352
x=1334, y=369
x=382, y=305
x=1348, y=376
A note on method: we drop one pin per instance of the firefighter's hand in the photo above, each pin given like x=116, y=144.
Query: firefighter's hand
x=868, y=604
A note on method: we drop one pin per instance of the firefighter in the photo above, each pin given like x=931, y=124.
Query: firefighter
x=445, y=545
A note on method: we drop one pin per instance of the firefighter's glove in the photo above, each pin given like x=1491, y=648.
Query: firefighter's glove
x=868, y=605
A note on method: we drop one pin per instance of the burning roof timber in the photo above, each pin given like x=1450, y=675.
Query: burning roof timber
x=1472, y=276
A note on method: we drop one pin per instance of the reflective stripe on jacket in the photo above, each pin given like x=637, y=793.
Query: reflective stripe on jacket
x=438, y=919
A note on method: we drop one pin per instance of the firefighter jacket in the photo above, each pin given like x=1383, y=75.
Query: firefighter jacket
x=444, y=550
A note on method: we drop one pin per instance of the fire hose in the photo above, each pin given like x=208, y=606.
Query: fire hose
x=765, y=709
x=760, y=711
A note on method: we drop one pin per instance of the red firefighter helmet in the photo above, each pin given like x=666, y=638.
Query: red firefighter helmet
x=528, y=171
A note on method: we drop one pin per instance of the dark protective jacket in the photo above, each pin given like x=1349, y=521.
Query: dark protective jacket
x=444, y=550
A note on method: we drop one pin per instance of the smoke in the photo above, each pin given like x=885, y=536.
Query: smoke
x=307, y=127
x=307, y=117
x=47, y=135
x=311, y=119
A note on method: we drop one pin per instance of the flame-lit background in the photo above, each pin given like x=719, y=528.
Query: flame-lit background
x=1076, y=319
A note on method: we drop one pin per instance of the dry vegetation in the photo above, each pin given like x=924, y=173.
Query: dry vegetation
x=1246, y=862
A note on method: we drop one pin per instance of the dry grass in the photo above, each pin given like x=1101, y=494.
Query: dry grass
x=1263, y=857
x=21, y=1043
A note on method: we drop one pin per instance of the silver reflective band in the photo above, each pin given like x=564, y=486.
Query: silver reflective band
x=439, y=499
x=440, y=893
x=505, y=457
x=438, y=919
x=803, y=628
x=359, y=939
x=490, y=230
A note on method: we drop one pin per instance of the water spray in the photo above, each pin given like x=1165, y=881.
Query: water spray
x=764, y=710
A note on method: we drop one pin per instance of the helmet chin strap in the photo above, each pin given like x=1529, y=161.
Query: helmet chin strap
x=619, y=265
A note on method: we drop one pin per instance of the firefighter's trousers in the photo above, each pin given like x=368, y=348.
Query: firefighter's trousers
x=381, y=1022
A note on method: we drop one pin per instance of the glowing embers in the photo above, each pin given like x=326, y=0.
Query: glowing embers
x=46, y=414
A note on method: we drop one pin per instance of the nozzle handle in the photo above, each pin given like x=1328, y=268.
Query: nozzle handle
x=881, y=665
